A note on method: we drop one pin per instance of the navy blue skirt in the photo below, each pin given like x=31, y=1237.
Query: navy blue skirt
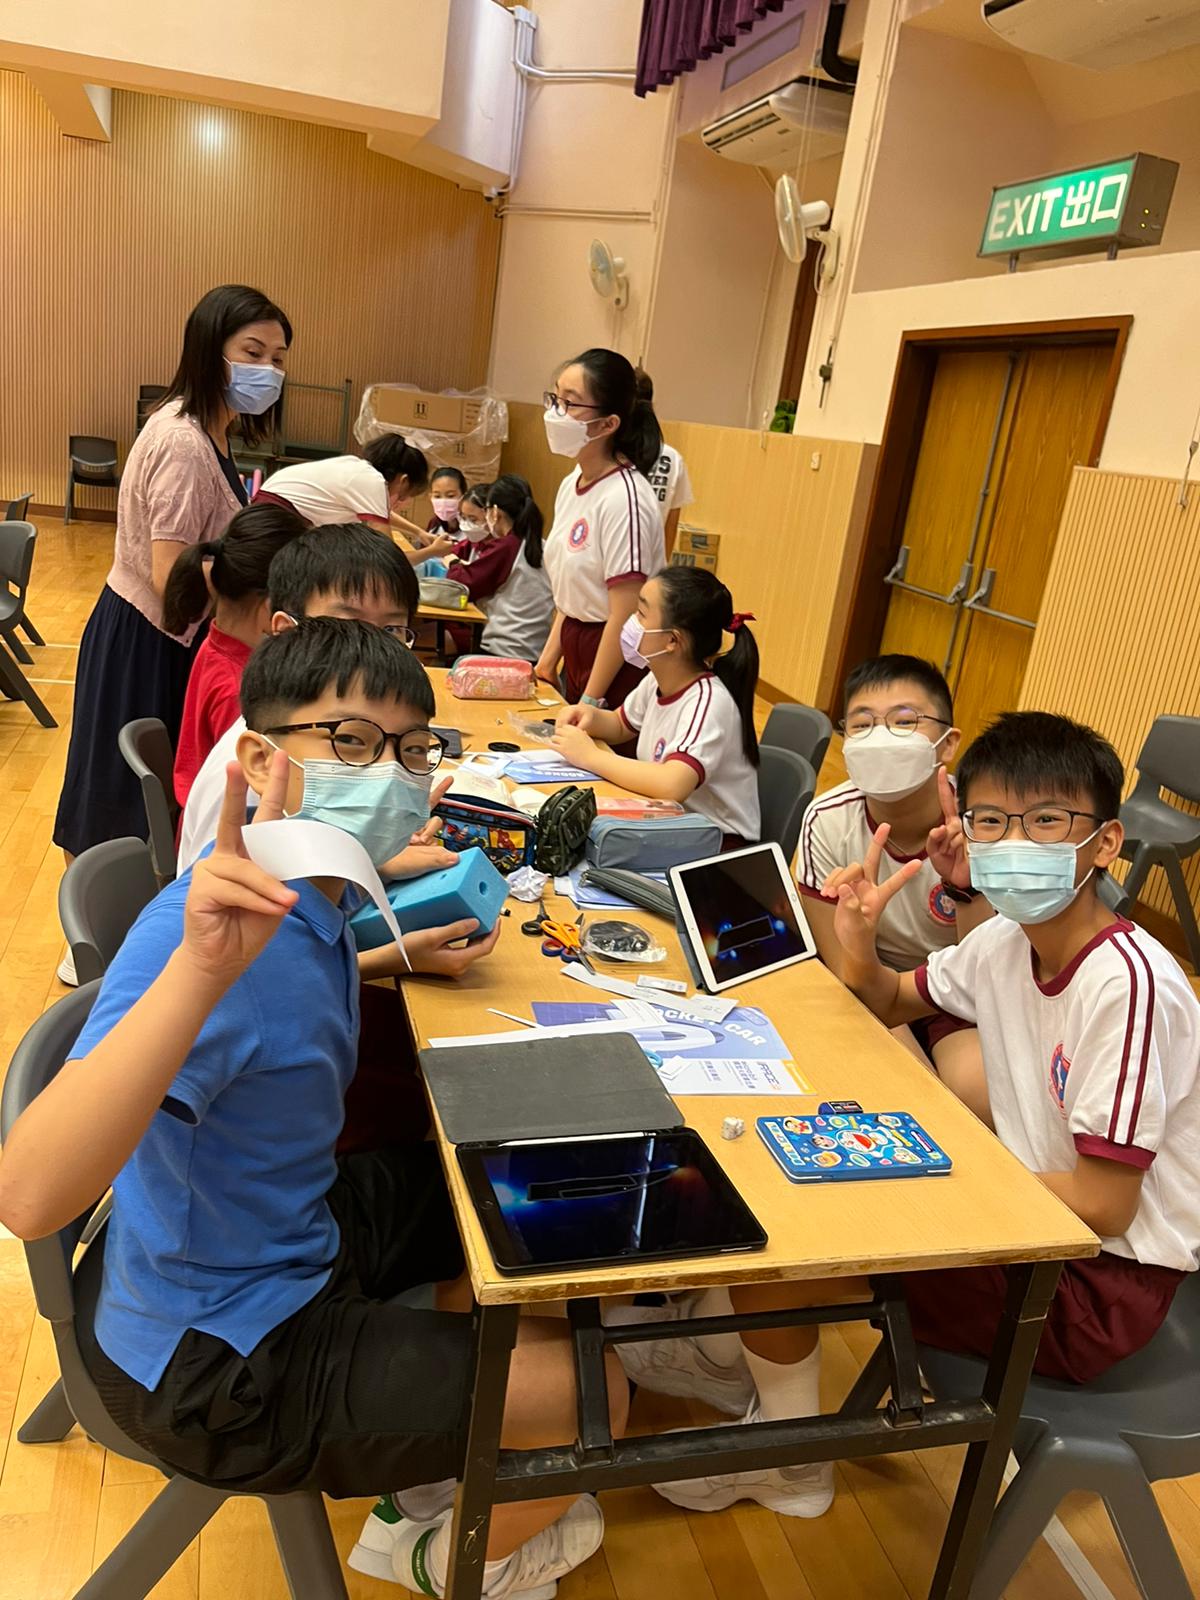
x=127, y=669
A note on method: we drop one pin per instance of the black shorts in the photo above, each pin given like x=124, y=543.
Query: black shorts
x=355, y=1394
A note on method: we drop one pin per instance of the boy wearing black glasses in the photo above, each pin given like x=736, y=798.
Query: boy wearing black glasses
x=1090, y=1038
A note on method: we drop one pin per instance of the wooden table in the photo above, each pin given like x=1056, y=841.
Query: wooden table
x=441, y=615
x=990, y=1209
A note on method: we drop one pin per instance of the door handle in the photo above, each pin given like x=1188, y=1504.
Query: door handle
x=897, y=580
x=979, y=602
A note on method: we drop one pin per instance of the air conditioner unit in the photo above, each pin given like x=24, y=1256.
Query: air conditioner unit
x=770, y=131
x=1095, y=33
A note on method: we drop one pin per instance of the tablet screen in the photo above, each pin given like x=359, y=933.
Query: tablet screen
x=741, y=915
x=584, y=1202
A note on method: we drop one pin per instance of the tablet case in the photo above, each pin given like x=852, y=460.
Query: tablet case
x=845, y=1146
x=547, y=1089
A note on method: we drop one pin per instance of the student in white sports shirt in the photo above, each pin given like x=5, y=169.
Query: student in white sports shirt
x=607, y=536
x=669, y=475
x=693, y=714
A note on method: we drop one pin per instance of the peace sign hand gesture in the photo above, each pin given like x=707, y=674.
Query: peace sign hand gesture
x=233, y=907
x=947, y=845
x=862, y=899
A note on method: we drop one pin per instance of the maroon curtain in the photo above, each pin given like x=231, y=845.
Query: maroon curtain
x=676, y=34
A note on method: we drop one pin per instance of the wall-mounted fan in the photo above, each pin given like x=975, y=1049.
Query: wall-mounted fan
x=798, y=222
x=608, y=274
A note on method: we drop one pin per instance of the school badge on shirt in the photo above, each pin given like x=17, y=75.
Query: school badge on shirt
x=941, y=907
x=1059, y=1068
x=578, y=535
x=660, y=746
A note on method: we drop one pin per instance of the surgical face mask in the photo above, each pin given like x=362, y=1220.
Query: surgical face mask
x=381, y=806
x=890, y=767
x=475, y=531
x=445, y=510
x=633, y=636
x=566, y=436
x=1027, y=882
x=252, y=389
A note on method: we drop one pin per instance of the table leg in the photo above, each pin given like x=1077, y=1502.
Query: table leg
x=1031, y=1288
x=440, y=628
x=473, y=1502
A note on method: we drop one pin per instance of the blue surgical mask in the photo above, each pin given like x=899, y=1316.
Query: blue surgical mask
x=1027, y=882
x=252, y=389
x=381, y=806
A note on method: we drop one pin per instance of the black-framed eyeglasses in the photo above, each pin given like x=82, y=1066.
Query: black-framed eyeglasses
x=563, y=408
x=1041, y=824
x=358, y=742
x=901, y=720
x=399, y=631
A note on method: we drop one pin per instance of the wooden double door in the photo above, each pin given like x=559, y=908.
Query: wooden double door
x=984, y=486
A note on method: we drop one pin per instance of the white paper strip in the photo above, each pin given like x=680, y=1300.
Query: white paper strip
x=571, y=1031
x=300, y=848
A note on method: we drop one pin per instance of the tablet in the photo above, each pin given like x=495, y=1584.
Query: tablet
x=740, y=916
x=551, y=1204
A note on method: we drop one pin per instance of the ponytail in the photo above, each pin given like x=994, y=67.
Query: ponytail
x=514, y=497
x=393, y=457
x=613, y=384
x=697, y=604
x=241, y=559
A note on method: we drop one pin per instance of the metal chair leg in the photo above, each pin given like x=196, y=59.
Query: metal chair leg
x=50, y=1420
x=1173, y=868
x=307, y=1552
x=69, y=502
x=155, y=1542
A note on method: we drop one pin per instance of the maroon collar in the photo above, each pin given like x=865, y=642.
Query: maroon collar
x=670, y=699
x=895, y=855
x=1059, y=983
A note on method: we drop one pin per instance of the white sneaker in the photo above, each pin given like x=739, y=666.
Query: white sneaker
x=387, y=1521
x=530, y=1573
x=805, y=1491
x=680, y=1367
x=66, y=971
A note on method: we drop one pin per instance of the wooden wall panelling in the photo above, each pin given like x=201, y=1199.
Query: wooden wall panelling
x=1118, y=642
x=386, y=272
x=788, y=531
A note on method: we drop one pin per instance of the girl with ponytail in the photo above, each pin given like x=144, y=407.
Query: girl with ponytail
x=504, y=574
x=693, y=715
x=607, y=534
x=229, y=575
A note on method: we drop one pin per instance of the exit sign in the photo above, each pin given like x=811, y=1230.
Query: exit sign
x=1118, y=205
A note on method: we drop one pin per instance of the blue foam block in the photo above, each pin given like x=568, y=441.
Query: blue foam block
x=470, y=888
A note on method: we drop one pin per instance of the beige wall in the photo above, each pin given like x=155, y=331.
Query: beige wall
x=386, y=272
x=377, y=64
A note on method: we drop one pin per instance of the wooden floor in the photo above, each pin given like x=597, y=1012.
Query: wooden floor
x=62, y=1507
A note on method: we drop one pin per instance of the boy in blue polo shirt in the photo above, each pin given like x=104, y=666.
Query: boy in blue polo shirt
x=247, y=1330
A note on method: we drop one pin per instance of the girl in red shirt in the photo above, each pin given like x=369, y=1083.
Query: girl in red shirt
x=230, y=575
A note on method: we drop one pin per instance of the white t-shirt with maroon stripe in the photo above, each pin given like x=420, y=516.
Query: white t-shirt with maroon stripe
x=702, y=726
x=1101, y=1061
x=610, y=532
x=838, y=829
x=337, y=489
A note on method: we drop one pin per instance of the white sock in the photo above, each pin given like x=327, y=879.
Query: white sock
x=791, y=1389
x=725, y=1349
x=437, y=1558
x=422, y=1503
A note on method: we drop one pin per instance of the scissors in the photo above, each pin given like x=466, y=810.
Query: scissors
x=534, y=926
x=563, y=940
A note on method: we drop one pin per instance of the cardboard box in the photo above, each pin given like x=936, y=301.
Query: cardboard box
x=696, y=547
x=413, y=408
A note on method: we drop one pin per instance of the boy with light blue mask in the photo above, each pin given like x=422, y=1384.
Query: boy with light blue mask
x=1090, y=1037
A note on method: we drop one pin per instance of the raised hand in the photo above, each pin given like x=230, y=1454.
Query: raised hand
x=947, y=844
x=234, y=908
x=862, y=899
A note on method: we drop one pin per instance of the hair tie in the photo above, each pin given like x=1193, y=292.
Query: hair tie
x=738, y=618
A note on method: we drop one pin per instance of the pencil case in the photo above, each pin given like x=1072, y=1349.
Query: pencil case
x=652, y=846
x=491, y=678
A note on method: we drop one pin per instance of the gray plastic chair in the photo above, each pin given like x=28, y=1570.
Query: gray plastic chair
x=1158, y=834
x=786, y=785
x=17, y=543
x=146, y=747
x=801, y=728
x=183, y=1508
x=99, y=898
x=92, y=464
x=17, y=508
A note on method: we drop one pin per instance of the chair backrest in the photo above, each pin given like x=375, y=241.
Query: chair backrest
x=801, y=728
x=99, y=898
x=39, y=1057
x=786, y=785
x=1170, y=757
x=92, y=456
x=17, y=508
x=146, y=747
x=17, y=540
